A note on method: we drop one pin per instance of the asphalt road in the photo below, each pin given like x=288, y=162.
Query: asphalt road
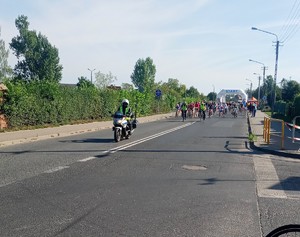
x=172, y=178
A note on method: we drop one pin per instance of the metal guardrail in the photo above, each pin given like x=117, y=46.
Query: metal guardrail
x=267, y=131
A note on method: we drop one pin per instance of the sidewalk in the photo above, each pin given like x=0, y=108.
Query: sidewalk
x=24, y=136
x=256, y=125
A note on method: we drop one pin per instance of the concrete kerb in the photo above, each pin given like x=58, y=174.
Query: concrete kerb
x=26, y=136
x=253, y=146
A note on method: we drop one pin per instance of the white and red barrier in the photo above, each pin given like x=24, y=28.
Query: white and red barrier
x=293, y=127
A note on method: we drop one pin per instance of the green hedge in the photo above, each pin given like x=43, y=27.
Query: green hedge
x=40, y=103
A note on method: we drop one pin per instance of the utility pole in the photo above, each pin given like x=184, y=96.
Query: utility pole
x=258, y=99
x=259, y=90
x=91, y=74
x=276, y=65
x=275, y=75
x=264, y=79
x=250, y=87
x=264, y=74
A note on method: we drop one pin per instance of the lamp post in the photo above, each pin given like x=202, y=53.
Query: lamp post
x=258, y=88
x=264, y=73
x=213, y=92
x=92, y=74
x=276, y=65
x=250, y=87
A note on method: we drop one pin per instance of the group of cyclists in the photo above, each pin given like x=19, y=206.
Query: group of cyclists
x=203, y=108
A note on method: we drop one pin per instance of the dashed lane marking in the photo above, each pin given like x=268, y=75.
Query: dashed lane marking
x=87, y=159
x=56, y=169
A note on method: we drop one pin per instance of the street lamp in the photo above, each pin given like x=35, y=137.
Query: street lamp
x=92, y=74
x=213, y=92
x=264, y=73
x=276, y=64
x=258, y=87
x=250, y=87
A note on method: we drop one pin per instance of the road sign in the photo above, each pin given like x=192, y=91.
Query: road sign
x=158, y=93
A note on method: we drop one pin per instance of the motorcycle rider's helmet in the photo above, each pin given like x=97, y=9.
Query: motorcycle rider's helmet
x=125, y=102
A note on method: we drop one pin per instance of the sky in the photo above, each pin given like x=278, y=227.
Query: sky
x=206, y=44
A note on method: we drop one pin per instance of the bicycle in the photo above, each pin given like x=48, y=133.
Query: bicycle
x=201, y=115
x=286, y=230
x=210, y=112
x=183, y=114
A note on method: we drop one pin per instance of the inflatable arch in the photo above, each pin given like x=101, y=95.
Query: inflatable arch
x=222, y=94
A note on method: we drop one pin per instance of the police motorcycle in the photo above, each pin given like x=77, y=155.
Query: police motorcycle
x=123, y=126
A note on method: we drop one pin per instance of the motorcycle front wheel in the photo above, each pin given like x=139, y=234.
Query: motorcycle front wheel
x=117, y=135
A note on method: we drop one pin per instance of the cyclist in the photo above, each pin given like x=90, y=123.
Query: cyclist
x=177, y=107
x=221, y=110
x=197, y=108
x=210, y=109
x=183, y=111
x=191, y=110
x=203, y=109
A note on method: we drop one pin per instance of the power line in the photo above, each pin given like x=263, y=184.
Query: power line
x=291, y=27
x=283, y=28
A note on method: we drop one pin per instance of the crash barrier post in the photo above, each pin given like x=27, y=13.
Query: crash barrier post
x=267, y=131
x=294, y=128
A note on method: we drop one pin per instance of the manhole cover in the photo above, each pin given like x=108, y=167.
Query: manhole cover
x=194, y=167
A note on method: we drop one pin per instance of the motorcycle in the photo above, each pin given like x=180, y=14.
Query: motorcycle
x=121, y=126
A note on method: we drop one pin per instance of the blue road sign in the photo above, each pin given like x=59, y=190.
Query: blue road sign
x=158, y=93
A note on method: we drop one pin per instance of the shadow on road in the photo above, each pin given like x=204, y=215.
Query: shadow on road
x=289, y=184
x=90, y=140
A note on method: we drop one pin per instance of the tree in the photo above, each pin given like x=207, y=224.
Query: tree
x=173, y=84
x=83, y=82
x=192, y=92
x=268, y=88
x=290, y=89
x=143, y=76
x=297, y=105
x=37, y=58
x=212, y=96
x=182, y=90
x=103, y=80
x=4, y=68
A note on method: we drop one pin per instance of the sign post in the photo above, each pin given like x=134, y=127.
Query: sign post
x=158, y=95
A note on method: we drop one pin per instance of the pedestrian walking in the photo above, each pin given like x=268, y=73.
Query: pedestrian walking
x=254, y=108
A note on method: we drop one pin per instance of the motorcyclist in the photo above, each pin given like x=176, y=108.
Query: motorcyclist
x=126, y=111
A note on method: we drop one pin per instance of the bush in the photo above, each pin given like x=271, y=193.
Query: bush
x=41, y=103
x=296, y=105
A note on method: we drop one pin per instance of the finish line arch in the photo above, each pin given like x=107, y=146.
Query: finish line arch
x=221, y=96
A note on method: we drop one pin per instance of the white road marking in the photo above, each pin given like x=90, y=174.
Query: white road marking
x=87, y=159
x=146, y=139
x=56, y=169
x=6, y=184
x=267, y=178
x=127, y=145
